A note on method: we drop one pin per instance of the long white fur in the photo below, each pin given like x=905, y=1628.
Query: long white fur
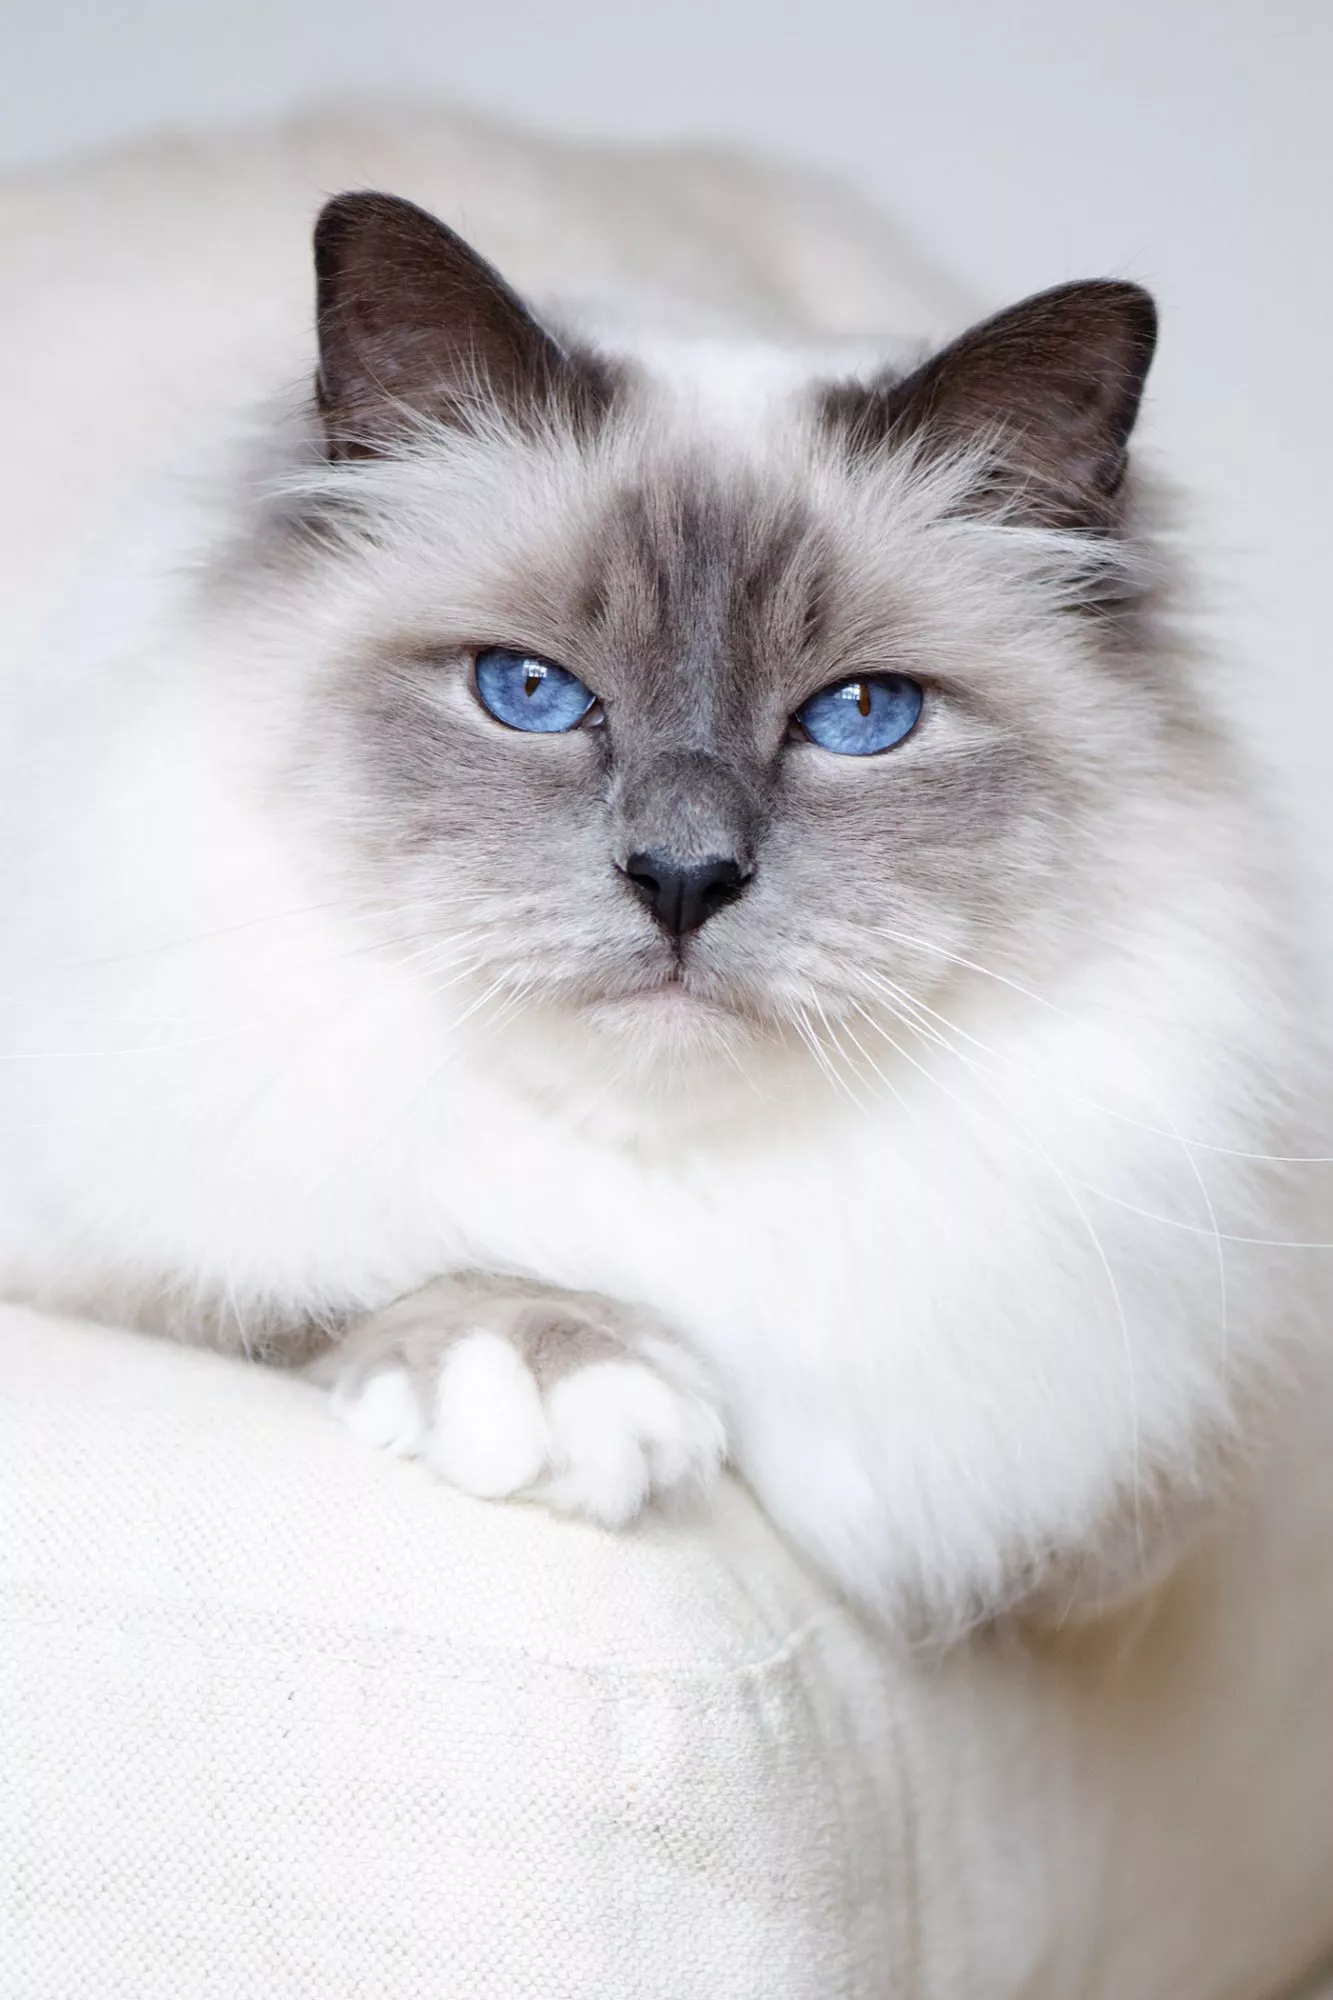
x=213, y=1088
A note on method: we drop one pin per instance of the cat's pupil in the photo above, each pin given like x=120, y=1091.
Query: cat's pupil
x=533, y=680
x=863, y=697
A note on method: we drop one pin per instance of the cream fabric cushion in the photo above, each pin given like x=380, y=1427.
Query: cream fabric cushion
x=282, y=1718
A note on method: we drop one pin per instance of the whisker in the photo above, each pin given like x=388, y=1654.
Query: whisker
x=812, y=1042
x=884, y=1078
x=1067, y=1090
x=1223, y=1302
x=837, y=1047
x=970, y=965
x=1132, y=1208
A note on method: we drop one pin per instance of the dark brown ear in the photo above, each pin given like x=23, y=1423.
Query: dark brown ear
x=414, y=323
x=1056, y=383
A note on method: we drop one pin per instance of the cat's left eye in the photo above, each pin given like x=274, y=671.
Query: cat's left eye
x=526, y=692
x=861, y=718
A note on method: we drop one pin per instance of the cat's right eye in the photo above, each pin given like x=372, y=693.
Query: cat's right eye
x=523, y=691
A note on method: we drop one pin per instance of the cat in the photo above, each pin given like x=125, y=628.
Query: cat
x=633, y=891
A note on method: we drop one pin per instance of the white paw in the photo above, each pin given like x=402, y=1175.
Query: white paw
x=617, y=1432
x=513, y=1414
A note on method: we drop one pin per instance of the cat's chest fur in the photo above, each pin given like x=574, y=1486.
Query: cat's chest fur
x=884, y=1286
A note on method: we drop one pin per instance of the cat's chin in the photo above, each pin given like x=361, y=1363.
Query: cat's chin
x=672, y=1026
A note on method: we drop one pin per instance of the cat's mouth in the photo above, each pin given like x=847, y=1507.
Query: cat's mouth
x=671, y=1012
x=672, y=996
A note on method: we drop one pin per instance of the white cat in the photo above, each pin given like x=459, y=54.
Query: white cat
x=634, y=878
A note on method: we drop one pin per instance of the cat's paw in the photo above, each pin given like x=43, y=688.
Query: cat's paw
x=510, y=1391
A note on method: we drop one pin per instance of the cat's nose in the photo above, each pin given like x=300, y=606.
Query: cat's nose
x=682, y=895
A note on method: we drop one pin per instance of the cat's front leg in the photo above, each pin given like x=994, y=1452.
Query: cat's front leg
x=511, y=1390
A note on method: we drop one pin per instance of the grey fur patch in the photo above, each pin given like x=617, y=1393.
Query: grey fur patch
x=556, y=1332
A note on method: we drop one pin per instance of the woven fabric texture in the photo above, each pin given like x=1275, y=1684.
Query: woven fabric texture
x=287, y=1719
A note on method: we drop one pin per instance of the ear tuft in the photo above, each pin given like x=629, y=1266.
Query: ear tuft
x=412, y=322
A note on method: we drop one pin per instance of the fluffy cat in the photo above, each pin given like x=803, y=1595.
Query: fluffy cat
x=629, y=889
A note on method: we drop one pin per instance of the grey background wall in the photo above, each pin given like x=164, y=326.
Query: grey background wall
x=1188, y=143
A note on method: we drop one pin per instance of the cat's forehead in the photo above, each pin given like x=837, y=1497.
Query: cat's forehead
x=671, y=538
x=699, y=555
x=720, y=513
x=679, y=539
x=695, y=585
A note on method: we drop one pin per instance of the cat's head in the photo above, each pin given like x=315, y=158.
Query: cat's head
x=709, y=693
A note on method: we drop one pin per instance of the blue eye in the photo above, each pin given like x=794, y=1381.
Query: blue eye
x=527, y=693
x=860, y=718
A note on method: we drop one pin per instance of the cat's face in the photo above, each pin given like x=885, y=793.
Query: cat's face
x=697, y=709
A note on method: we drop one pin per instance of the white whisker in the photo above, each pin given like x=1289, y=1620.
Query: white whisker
x=838, y=1049
x=1090, y=1103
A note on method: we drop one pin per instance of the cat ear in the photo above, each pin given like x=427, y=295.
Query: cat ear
x=1055, y=383
x=412, y=322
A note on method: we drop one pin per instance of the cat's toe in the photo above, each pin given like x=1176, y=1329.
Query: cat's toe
x=383, y=1410
x=621, y=1432
x=488, y=1431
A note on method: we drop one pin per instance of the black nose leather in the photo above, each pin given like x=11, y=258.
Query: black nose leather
x=684, y=894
